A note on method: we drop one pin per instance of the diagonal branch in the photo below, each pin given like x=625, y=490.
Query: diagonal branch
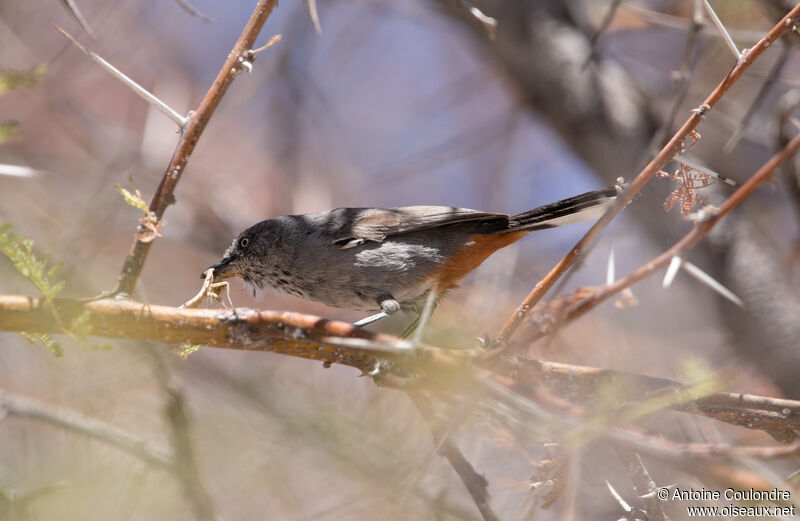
x=775, y=416
x=475, y=483
x=238, y=57
x=708, y=219
x=666, y=154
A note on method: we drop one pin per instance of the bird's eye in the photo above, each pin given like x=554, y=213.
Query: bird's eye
x=243, y=242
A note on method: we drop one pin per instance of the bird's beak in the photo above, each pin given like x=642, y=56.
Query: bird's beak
x=221, y=270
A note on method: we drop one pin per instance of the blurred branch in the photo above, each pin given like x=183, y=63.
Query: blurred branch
x=676, y=22
x=752, y=110
x=475, y=483
x=611, y=10
x=666, y=154
x=697, y=460
x=186, y=469
x=778, y=417
x=643, y=485
x=72, y=7
x=788, y=106
x=685, y=74
x=192, y=10
x=23, y=406
x=238, y=59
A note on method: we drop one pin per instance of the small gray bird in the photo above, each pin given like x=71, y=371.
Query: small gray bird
x=386, y=259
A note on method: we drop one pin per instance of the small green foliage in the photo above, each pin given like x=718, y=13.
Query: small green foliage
x=46, y=339
x=184, y=350
x=10, y=80
x=20, y=251
x=149, y=224
x=8, y=129
x=79, y=328
x=136, y=200
x=699, y=376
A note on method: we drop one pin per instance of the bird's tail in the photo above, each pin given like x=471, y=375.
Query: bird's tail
x=584, y=207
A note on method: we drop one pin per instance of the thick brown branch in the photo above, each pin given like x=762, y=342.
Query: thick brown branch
x=330, y=341
x=386, y=358
x=163, y=197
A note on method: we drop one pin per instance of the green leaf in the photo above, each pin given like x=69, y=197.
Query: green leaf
x=136, y=200
x=46, y=339
x=8, y=129
x=184, y=350
x=20, y=251
x=10, y=80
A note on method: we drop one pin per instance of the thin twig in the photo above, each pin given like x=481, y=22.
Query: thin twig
x=681, y=248
x=192, y=10
x=643, y=485
x=788, y=105
x=691, y=53
x=186, y=468
x=571, y=420
x=723, y=31
x=165, y=109
x=678, y=22
x=72, y=7
x=664, y=156
x=198, y=120
x=604, y=23
x=23, y=406
x=752, y=110
x=475, y=483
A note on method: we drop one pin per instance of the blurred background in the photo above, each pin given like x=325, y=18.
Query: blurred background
x=394, y=103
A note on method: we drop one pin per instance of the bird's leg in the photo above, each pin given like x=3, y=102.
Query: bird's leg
x=389, y=306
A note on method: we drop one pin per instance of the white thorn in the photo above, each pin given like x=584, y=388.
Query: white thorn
x=18, y=171
x=625, y=506
x=610, y=276
x=314, y=14
x=135, y=87
x=709, y=281
x=725, y=35
x=489, y=23
x=672, y=270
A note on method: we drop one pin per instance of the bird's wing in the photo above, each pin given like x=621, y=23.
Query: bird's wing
x=375, y=224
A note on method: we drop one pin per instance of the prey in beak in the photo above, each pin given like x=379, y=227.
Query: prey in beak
x=222, y=270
